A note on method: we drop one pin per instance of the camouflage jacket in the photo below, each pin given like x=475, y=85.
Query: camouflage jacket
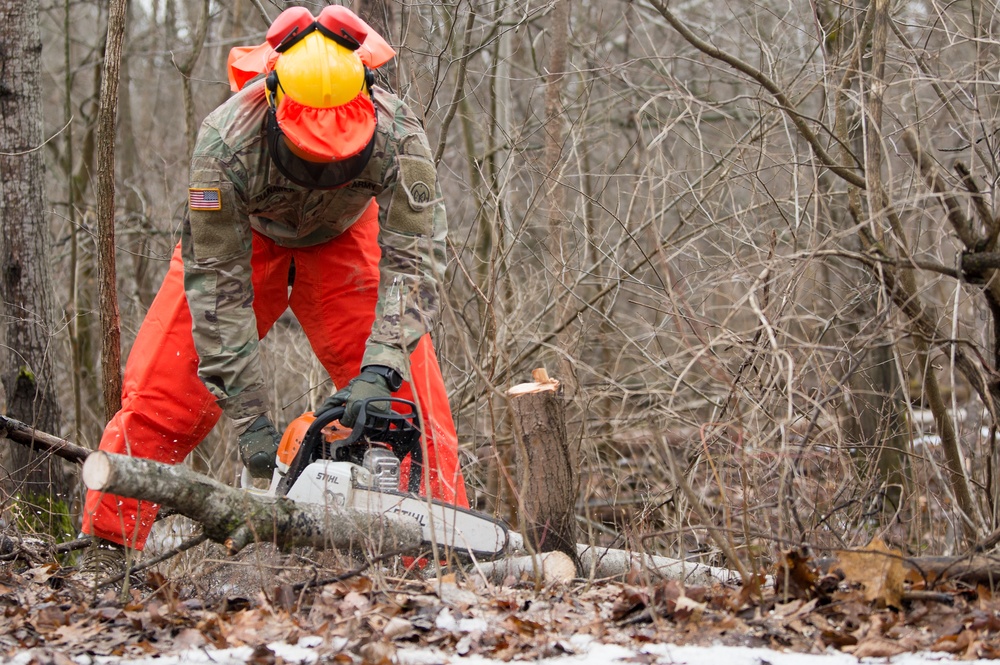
x=235, y=188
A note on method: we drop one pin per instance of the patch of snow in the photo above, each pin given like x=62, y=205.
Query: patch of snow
x=588, y=652
x=472, y=625
x=582, y=650
x=446, y=621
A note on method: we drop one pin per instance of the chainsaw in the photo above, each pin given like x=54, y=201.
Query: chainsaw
x=320, y=461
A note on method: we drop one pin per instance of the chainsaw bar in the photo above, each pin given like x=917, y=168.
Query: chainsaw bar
x=452, y=528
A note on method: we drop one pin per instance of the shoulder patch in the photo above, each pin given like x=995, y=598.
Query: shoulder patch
x=411, y=209
x=200, y=198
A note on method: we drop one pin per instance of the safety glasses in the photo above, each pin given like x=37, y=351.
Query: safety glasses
x=334, y=22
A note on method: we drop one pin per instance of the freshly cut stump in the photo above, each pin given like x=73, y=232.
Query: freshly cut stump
x=547, y=461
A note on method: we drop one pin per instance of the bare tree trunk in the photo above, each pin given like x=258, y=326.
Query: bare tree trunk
x=549, y=481
x=82, y=308
x=554, y=198
x=71, y=307
x=875, y=417
x=555, y=193
x=107, y=113
x=25, y=286
x=892, y=462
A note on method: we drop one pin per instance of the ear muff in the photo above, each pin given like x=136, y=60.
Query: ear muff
x=369, y=79
x=271, y=83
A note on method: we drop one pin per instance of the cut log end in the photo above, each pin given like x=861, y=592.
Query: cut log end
x=97, y=471
x=541, y=382
x=552, y=385
x=558, y=567
x=549, y=568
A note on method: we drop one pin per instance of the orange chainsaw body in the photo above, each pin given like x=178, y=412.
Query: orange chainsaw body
x=291, y=440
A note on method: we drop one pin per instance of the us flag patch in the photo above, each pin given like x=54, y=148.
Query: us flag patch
x=204, y=199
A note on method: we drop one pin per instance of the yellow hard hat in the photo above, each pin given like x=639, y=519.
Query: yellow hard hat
x=319, y=73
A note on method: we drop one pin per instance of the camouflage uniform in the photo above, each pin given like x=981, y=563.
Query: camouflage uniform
x=231, y=157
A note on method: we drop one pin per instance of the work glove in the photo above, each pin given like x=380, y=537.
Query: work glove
x=367, y=385
x=258, y=446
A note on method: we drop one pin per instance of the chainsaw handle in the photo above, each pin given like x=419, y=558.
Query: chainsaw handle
x=324, y=418
x=313, y=438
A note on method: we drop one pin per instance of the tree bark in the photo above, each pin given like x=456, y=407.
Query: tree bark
x=890, y=456
x=547, y=568
x=548, y=461
x=106, y=115
x=238, y=517
x=35, y=439
x=25, y=285
x=136, y=221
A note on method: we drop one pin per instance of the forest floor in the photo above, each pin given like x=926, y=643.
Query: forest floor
x=263, y=608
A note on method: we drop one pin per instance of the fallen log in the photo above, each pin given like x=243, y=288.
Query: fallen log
x=980, y=569
x=606, y=563
x=237, y=517
x=38, y=440
x=547, y=568
x=601, y=563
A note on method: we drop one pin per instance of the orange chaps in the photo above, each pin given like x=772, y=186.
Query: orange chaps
x=167, y=411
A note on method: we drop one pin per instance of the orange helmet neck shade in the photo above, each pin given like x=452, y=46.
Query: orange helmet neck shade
x=326, y=137
x=307, y=172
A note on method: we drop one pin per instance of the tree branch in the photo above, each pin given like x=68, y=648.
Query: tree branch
x=35, y=439
x=784, y=103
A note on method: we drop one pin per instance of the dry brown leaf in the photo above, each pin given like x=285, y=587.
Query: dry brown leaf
x=879, y=569
x=355, y=601
x=953, y=643
x=79, y=632
x=190, y=638
x=523, y=627
x=397, y=627
x=630, y=600
x=378, y=653
x=795, y=578
x=876, y=647
x=686, y=607
x=262, y=655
